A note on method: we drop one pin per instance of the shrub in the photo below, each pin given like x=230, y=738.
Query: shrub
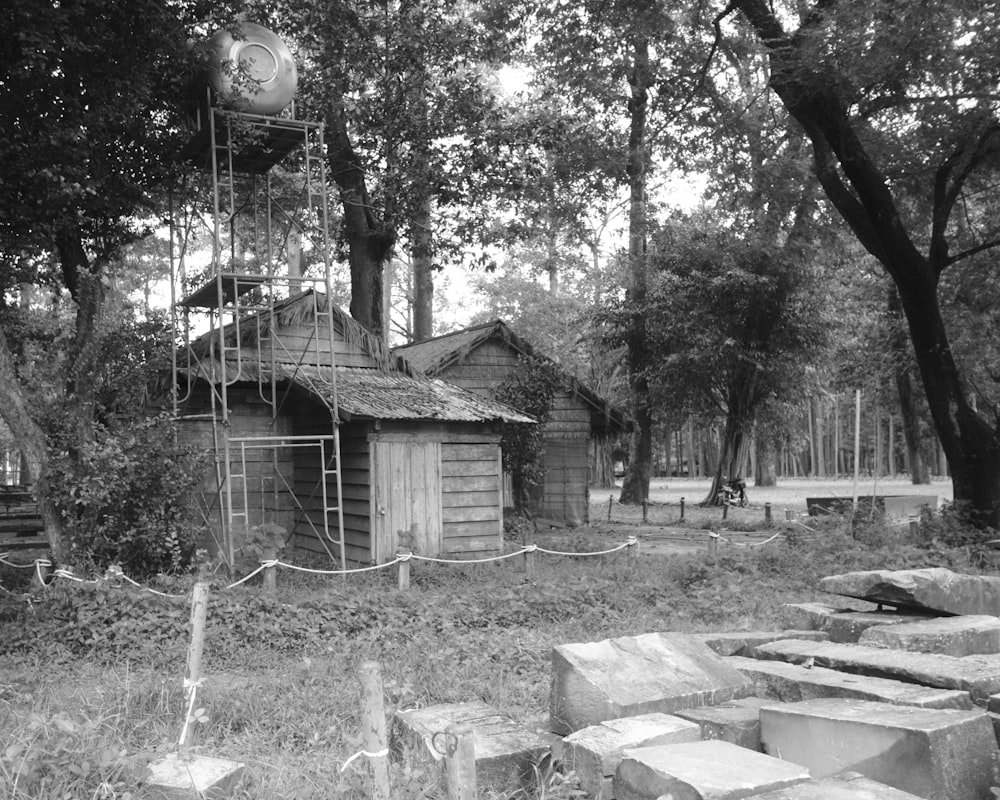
x=122, y=496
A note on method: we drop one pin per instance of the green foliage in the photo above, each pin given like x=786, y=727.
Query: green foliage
x=462, y=632
x=123, y=496
x=530, y=387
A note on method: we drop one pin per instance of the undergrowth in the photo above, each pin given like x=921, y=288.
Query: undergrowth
x=93, y=689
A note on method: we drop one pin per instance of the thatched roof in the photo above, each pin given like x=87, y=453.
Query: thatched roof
x=434, y=356
x=367, y=393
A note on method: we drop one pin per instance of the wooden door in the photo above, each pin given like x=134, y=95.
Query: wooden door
x=407, y=498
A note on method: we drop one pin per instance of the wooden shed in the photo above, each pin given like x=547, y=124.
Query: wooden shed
x=478, y=358
x=419, y=457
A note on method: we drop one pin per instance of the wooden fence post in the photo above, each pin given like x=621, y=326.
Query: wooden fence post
x=611, y=499
x=270, y=576
x=460, y=762
x=375, y=741
x=645, y=505
x=767, y=512
x=404, y=568
x=192, y=679
x=725, y=510
x=713, y=546
x=682, y=509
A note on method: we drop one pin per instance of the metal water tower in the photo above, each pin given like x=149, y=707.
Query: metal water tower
x=260, y=188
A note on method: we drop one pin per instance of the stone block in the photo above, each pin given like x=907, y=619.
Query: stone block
x=792, y=683
x=841, y=624
x=594, y=753
x=967, y=635
x=943, y=754
x=932, y=589
x=843, y=786
x=192, y=777
x=977, y=675
x=709, y=770
x=741, y=643
x=506, y=753
x=597, y=681
x=737, y=722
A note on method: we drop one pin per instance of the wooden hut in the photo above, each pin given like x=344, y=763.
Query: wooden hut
x=478, y=358
x=419, y=458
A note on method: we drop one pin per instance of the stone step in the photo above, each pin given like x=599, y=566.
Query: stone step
x=791, y=683
x=742, y=643
x=736, y=722
x=945, y=754
x=977, y=675
x=967, y=635
x=595, y=752
x=841, y=624
x=506, y=753
x=708, y=770
x=597, y=681
x=934, y=589
x=843, y=786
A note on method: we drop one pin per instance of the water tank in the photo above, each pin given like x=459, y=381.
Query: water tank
x=253, y=73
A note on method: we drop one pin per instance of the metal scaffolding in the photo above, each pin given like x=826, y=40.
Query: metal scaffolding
x=264, y=206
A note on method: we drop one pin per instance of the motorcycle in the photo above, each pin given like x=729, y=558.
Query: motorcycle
x=734, y=492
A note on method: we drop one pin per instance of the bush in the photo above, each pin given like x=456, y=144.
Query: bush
x=123, y=497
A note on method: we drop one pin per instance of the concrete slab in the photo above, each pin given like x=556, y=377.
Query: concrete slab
x=977, y=675
x=741, y=643
x=595, y=752
x=506, y=753
x=597, y=681
x=192, y=777
x=792, y=683
x=709, y=770
x=737, y=722
x=943, y=754
x=841, y=624
x=966, y=635
x=934, y=589
x=844, y=786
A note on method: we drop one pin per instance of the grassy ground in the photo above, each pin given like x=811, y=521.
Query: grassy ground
x=91, y=680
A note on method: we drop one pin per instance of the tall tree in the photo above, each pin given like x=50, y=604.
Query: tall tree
x=88, y=114
x=734, y=324
x=405, y=88
x=900, y=105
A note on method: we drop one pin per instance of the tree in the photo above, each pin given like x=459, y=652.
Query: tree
x=900, y=105
x=734, y=324
x=88, y=126
x=404, y=89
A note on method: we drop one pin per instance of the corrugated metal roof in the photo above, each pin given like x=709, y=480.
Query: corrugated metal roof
x=371, y=392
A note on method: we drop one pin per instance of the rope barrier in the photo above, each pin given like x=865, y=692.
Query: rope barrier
x=366, y=754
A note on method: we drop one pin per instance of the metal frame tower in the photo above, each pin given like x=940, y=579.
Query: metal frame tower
x=265, y=197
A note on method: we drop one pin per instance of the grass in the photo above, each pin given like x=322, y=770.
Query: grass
x=83, y=712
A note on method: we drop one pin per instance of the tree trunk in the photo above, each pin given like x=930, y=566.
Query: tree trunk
x=635, y=486
x=766, y=472
x=919, y=474
x=422, y=258
x=369, y=240
x=31, y=441
x=861, y=192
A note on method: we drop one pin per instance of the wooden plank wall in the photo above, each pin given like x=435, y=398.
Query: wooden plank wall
x=471, y=494
x=313, y=341
x=313, y=420
x=485, y=367
x=565, y=493
x=471, y=481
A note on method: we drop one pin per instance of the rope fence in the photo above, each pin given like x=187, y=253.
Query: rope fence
x=401, y=563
